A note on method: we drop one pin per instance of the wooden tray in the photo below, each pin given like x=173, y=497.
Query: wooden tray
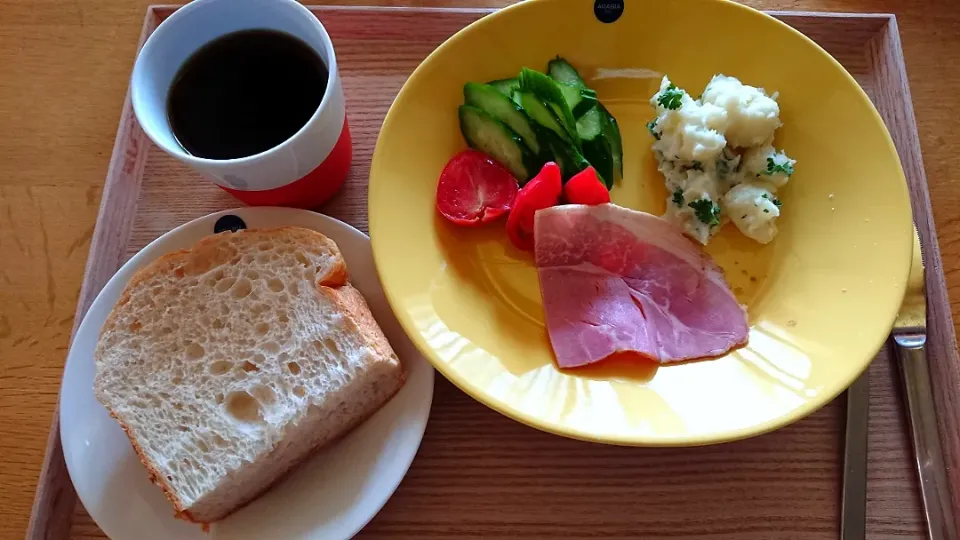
x=480, y=475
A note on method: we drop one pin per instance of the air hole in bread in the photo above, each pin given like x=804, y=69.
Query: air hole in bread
x=217, y=324
x=263, y=258
x=259, y=358
x=135, y=326
x=282, y=317
x=156, y=291
x=302, y=259
x=220, y=441
x=219, y=399
x=275, y=285
x=218, y=275
x=327, y=344
x=202, y=446
x=262, y=328
x=264, y=394
x=299, y=391
x=177, y=379
x=195, y=351
x=294, y=368
x=247, y=259
x=249, y=367
x=225, y=284
x=252, y=274
x=220, y=367
x=243, y=407
x=183, y=428
x=271, y=347
x=242, y=289
x=265, y=246
x=294, y=288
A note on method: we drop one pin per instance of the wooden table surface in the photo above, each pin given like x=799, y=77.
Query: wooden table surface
x=64, y=67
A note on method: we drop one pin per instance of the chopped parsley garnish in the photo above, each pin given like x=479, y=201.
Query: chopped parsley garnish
x=651, y=127
x=707, y=212
x=776, y=202
x=670, y=98
x=678, y=197
x=775, y=168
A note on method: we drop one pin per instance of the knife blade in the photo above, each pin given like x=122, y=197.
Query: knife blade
x=910, y=338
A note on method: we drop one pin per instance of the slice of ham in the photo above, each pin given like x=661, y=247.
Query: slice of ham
x=615, y=280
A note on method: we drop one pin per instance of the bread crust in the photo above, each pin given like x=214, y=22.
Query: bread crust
x=217, y=250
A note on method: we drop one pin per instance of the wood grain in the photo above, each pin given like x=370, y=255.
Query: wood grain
x=76, y=57
x=892, y=88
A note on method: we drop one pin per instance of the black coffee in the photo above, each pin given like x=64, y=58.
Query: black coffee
x=244, y=93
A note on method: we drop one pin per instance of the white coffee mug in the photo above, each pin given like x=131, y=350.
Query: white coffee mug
x=303, y=171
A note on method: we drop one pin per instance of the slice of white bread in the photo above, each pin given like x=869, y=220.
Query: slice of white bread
x=229, y=363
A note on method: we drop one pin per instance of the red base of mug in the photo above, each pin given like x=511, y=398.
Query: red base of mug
x=314, y=189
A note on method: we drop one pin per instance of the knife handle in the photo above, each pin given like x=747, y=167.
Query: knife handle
x=853, y=505
x=922, y=417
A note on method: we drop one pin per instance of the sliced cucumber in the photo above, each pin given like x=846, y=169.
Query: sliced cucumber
x=540, y=114
x=611, y=132
x=549, y=93
x=506, y=86
x=501, y=107
x=580, y=100
x=569, y=158
x=487, y=134
x=590, y=125
x=596, y=148
x=561, y=71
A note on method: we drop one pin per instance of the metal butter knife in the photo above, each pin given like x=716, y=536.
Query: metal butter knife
x=910, y=336
x=853, y=511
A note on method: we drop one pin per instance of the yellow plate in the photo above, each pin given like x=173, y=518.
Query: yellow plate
x=821, y=298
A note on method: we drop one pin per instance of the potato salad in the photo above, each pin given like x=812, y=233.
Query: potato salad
x=717, y=158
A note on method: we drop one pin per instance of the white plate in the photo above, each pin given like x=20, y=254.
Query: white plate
x=332, y=495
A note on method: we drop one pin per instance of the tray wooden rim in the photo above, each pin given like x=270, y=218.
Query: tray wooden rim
x=55, y=499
